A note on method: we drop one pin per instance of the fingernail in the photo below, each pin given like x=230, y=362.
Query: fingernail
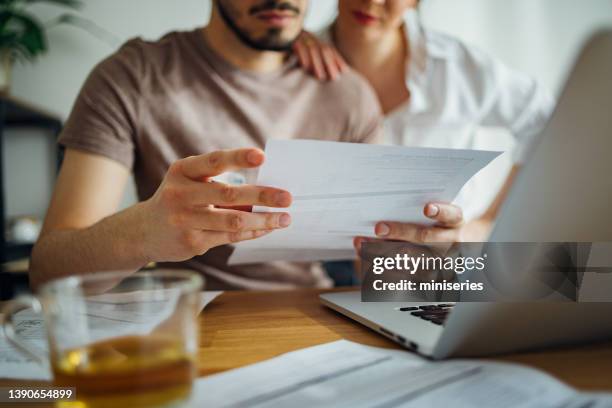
x=283, y=199
x=382, y=230
x=284, y=220
x=432, y=210
x=254, y=157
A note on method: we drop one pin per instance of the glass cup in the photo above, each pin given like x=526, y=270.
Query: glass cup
x=120, y=340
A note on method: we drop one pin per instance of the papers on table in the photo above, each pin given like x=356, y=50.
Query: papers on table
x=346, y=374
x=109, y=314
x=207, y=297
x=13, y=363
x=341, y=190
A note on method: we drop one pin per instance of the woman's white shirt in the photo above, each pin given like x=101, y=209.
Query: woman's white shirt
x=462, y=98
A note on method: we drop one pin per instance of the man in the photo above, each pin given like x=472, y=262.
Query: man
x=178, y=112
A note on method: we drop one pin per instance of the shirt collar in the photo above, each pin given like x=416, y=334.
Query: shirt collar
x=417, y=42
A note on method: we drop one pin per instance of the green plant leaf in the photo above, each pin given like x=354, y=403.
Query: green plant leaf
x=34, y=40
x=21, y=54
x=5, y=17
x=75, y=4
x=22, y=33
x=7, y=3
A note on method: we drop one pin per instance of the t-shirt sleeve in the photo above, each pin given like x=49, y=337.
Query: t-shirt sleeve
x=104, y=117
x=365, y=118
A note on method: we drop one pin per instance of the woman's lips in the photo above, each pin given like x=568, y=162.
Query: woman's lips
x=276, y=18
x=364, y=18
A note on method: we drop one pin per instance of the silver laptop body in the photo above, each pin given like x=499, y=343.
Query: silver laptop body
x=562, y=194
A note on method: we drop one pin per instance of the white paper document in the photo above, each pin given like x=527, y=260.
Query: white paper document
x=346, y=374
x=16, y=365
x=113, y=314
x=340, y=190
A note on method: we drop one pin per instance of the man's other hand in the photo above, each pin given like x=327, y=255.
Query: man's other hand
x=449, y=228
x=449, y=220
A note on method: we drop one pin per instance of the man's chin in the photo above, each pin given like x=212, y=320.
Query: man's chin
x=278, y=46
x=272, y=43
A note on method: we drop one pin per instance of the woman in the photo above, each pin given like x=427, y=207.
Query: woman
x=435, y=92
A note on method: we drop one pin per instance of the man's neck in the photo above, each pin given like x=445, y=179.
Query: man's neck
x=368, y=53
x=225, y=43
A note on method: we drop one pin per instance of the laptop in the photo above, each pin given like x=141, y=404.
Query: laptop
x=562, y=194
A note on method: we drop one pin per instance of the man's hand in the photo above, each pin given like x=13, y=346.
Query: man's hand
x=184, y=217
x=449, y=220
x=449, y=228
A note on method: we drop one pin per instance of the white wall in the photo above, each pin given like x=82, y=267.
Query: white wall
x=540, y=37
x=29, y=164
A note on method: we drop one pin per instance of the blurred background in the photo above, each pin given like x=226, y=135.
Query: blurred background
x=539, y=37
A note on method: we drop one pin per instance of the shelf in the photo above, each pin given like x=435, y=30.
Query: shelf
x=13, y=251
x=15, y=113
x=21, y=114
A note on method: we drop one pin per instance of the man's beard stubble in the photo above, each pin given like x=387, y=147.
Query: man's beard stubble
x=272, y=40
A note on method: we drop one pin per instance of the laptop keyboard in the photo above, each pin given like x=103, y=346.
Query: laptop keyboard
x=435, y=314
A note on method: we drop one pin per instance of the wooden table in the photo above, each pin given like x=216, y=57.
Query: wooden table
x=240, y=328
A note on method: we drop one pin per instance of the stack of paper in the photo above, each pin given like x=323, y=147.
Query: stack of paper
x=346, y=374
x=340, y=190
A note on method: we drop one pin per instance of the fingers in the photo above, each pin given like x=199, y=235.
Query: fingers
x=225, y=195
x=446, y=215
x=310, y=55
x=211, y=239
x=418, y=234
x=316, y=60
x=322, y=59
x=326, y=61
x=214, y=219
x=330, y=63
x=358, y=242
x=301, y=50
x=340, y=62
x=215, y=163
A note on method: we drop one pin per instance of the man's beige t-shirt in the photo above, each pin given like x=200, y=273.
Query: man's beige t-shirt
x=152, y=103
